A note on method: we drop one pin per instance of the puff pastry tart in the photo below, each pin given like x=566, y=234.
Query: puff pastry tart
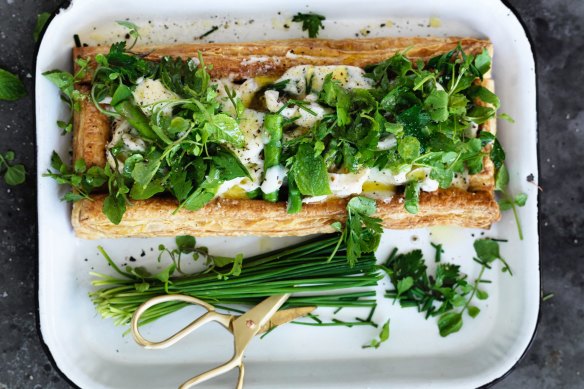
x=273, y=138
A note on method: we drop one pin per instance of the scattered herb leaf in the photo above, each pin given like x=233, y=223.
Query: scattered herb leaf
x=11, y=88
x=311, y=22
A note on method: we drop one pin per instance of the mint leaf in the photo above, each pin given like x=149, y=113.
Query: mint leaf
x=310, y=172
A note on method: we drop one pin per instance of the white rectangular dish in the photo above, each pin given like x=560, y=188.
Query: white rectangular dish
x=93, y=353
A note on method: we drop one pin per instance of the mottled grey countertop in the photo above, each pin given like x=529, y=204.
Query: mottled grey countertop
x=556, y=357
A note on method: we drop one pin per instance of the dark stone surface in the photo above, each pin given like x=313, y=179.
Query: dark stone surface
x=557, y=354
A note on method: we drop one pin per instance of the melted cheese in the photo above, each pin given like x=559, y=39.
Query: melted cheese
x=250, y=155
x=130, y=139
x=422, y=174
x=343, y=185
x=149, y=92
x=386, y=177
x=304, y=117
x=349, y=77
x=274, y=179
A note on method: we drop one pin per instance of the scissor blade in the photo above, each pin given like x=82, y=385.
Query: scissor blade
x=285, y=316
x=249, y=324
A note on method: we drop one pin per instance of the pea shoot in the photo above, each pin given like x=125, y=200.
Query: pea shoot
x=13, y=174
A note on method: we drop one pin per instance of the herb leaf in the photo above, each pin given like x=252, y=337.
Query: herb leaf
x=311, y=22
x=362, y=232
x=42, y=19
x=383, y=337
x=310, y=172
x=445, y=291
x=13, y=174
x=449, y=323
x=11, y=88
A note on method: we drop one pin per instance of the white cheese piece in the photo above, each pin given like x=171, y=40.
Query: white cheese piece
x=272, y=102
x=384, y=195
x=314, y=199
x=150, y=92
x=343, y=185
x=429, y=185
x=307, y=119
x=274, y=179
x=251, y=123
x=349, y=77
x=225, y=186
x=388, y=143
x=245, y=92
x=123, y=132
x=422, y=174
x=461, y=180
x=471, y=131
x=387, y=177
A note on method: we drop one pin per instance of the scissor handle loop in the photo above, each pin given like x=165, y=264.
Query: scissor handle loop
x=234, y=362
x=210, y=316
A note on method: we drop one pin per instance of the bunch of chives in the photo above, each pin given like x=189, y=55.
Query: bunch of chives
x=303, y=269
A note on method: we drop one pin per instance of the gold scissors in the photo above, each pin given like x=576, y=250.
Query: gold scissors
x=260, y=318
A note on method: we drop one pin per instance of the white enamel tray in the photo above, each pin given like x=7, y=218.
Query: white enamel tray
x=93, y=353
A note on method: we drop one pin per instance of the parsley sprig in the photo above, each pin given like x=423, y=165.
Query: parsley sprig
x=447, y=293
x=361, y=232
x=311, y=22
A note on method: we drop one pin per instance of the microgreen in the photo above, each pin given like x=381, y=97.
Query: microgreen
x=133, y=31
x=507, y=200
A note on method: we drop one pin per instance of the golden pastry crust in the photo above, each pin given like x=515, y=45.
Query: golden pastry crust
x=91, y=132
x=154, y=217
x=229, y=217
x=273, y=57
